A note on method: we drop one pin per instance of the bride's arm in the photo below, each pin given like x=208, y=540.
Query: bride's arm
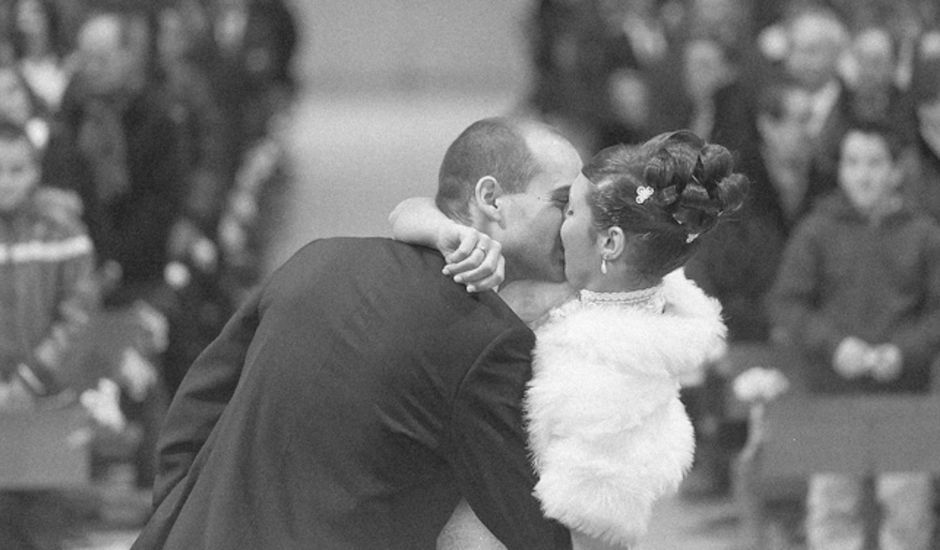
x=472, y=257
x=418, y=221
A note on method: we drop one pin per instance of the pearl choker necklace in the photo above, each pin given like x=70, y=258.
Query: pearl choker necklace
x=649, y=299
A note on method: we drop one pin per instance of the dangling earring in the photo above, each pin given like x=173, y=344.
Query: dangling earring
x=604, y=265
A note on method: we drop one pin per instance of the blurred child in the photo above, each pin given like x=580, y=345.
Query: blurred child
x=47, y=295
x=858, y=292
x=47, y=289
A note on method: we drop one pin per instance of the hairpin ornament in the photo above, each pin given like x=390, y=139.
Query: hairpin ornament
x=643, y=193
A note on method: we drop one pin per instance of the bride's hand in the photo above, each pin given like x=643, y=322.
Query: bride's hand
x=472, y=258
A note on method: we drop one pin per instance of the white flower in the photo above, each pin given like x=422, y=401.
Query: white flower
x=759, y=384
x=103, y=404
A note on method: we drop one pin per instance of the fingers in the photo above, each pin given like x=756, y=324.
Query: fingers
x=471, y=242
x=478, y=265
x=475, y=249
x=491, y=281
x=474, y=259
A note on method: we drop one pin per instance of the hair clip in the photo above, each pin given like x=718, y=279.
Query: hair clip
x=691, y=237
x=643, y=193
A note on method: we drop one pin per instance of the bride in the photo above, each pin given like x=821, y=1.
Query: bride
x=607, y=431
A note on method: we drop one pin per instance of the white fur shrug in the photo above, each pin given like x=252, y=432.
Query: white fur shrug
x=608, y=433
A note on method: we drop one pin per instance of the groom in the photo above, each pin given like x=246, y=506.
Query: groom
x=361, y=393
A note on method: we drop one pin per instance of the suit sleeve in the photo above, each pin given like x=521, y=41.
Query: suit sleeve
x=491, y=459
x=202, y=398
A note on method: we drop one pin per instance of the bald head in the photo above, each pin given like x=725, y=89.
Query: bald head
x=873, y=50
x=104, y=31
x=554, y=155
x=494, y=147
x=817, y=39
x=105, y=53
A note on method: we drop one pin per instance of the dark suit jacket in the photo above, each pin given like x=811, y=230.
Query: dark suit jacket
x=348, y=406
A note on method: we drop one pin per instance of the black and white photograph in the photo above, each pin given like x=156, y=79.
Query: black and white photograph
x=469, y=274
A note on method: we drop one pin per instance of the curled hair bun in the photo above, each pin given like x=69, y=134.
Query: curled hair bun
x=670, y=190
x=660, y=174
x=693, y=181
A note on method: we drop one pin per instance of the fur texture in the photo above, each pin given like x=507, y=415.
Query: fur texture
x=608, y=433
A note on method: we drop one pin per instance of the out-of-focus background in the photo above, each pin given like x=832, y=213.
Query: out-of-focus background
x=184, y=148
x=388, y=86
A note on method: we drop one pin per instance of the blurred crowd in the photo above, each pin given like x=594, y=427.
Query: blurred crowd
x=779, y=82
x=140, y=174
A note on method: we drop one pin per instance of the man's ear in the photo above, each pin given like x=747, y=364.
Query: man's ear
x=485, y=193
x=612, y=242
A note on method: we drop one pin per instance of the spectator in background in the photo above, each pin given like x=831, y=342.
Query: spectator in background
x=248, y=224
x=874, y=94
x=39, y=49
x=194, y=109
x=817, y=40
x=731, y=24
x=253, y=44
x=787, y=190
x=201, y=308
x=19, y=106
x=858, y=294
x=47, y=296
x=923, y=161
x=47, y=290
x=718, y=105
x=586, y=78
x=117, y=146
x=636, y=45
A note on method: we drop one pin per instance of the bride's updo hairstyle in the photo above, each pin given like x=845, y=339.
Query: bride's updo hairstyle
x=667, y=192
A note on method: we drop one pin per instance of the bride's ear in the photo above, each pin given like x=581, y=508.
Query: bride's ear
x=486, y=194
x=612, y=243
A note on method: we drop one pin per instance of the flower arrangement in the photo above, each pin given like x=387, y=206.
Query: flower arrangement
x=760, y=385
x=757, y=386
x=103, y=405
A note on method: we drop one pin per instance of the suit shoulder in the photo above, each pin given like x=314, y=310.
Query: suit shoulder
x=353, y=248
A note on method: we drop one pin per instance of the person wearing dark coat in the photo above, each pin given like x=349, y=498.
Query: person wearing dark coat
x=116, y=145
x=360, y=393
